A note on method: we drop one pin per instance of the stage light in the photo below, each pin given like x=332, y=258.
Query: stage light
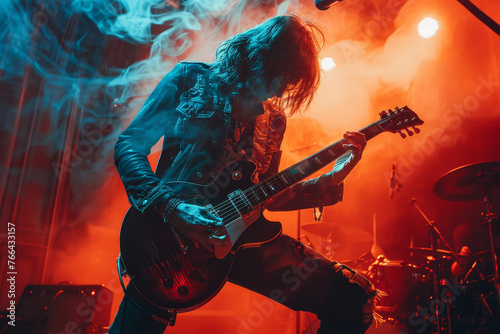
x=427, y=27
x=327, y=64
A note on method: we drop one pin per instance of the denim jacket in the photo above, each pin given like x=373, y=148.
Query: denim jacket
x=191, y=109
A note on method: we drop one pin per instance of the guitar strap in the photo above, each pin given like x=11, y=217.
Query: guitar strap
x=267, y=137
x=122, y=272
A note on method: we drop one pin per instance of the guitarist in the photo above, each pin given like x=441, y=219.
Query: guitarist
x=232, y=109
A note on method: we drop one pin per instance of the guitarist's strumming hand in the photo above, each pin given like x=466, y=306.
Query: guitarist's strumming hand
x=355, y=142
x=196, y=223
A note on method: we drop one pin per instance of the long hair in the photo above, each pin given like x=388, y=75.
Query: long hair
x=284, y=46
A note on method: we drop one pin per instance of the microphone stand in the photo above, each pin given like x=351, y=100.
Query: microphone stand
x=435, y=237
x=490, y=219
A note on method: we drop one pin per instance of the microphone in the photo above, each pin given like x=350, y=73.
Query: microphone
x=325, y=4
x=394, y=182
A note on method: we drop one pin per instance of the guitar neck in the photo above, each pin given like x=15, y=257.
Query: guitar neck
x=272, y=186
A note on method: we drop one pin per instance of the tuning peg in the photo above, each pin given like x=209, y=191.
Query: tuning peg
x=410, y=133
x=402, y=134
x=417, y=130
x=396, y=109
x=383, y=113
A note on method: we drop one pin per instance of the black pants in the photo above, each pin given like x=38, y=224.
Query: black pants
x=290, y=273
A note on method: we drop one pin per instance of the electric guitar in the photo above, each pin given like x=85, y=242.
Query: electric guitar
x=176, y=274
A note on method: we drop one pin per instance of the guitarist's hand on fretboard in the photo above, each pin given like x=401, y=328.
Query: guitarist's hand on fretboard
x=196, y=223
x=355, y=142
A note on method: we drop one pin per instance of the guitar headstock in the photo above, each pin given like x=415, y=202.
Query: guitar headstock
x=400, y=119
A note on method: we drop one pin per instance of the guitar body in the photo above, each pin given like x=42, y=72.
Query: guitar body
x=174, y=273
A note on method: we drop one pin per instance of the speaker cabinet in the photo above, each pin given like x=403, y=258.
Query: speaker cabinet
x=63, y=309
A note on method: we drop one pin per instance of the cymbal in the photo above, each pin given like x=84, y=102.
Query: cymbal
x=429, y=252
x=444, y=252
x=484, y=226
x=338, y=231
x=468, y=183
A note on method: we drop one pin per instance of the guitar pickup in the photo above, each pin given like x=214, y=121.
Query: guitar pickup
x=240, y=202
x=211, y=209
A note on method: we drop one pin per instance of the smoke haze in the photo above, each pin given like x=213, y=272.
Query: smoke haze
x=74, y=73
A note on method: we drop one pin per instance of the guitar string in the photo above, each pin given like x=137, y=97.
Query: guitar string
x=231, y=209
x=260, y=188
x=225, y=208
x=231, y=213
x=228, y=204
x=274, y=181
x=255, y=189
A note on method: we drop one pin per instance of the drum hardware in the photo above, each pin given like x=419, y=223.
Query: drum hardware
x=475, y=309
x=428, y=252
x=426, y=293
x=470, y=183
x=475, y=267
x=485, y=304
x=435, y=238
x=407, y=287
x=394, y=322
x=333, y=240
x=338, y=232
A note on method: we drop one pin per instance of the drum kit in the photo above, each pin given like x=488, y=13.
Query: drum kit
x=439, y=291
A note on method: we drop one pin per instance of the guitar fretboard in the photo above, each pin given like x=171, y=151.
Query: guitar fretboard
x=267, y=189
